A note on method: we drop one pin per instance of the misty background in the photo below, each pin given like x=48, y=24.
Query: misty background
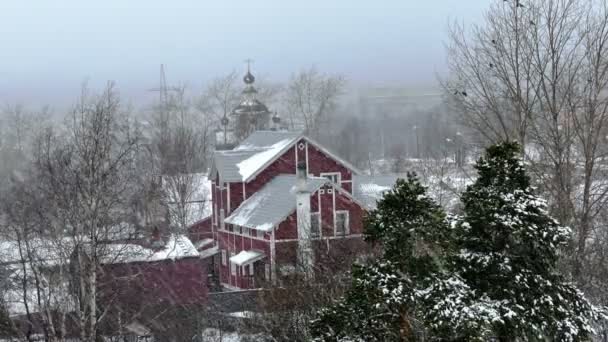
x=50, y=48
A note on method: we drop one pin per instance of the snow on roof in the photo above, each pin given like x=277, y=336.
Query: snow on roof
x=204, y=243
x=225, y=162
x=209, y=252
x=177, y=247
x=252, y=154
x=259, y=149
x=49, y=251
x=370, y=189
x=252, y=164
x=266, y=139
x=272, y=204
x=198, y=204
x=247, y=257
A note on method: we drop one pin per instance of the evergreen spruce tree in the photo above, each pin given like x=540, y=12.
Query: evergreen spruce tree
x=489, y=274
x=412, y=232
x=508, y=247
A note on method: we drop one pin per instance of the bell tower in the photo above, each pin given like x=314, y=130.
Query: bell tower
x=248, y=116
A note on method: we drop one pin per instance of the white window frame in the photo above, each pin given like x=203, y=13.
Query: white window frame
x=224, y=258
x=346, y=222
x=215, y=214
x=259, y=234
x=318, y=218
x=251, y=269
x=333, y=175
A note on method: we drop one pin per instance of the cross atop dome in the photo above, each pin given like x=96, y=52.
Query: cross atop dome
x=249, y=78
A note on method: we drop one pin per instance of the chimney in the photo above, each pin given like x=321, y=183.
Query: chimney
x=305, y=256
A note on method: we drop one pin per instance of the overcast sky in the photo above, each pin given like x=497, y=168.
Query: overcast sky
x=48, y=48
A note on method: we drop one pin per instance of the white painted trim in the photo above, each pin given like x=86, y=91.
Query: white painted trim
x=344, y=163
x=352, y=198
x=347, y=228
x=333, y=209
x=318, y=146
x=320, y=215
x=273, y=261
x=228, y=198
x=222, y=219
x=295, y=150
x=352, y=236
x=338, y=178
x=273, y=159
x=306, y=153
x=244, y=192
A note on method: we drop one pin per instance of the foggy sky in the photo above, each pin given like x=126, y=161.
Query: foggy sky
x=48, y=48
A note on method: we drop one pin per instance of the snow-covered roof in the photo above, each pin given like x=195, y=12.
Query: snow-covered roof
x=247, y=257
x=204, y=243
x=225, y=162
x=261, y=148
x=209, y=252
x=266, y=139
x=272, y=204
x=177, y=247
x=252, y=154
x=198, y=202
x=49, y=251
x=369, y=189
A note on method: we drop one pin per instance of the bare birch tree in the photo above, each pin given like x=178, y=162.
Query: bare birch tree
x=88, y=174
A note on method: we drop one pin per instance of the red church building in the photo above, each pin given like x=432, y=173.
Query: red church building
x=282, y=204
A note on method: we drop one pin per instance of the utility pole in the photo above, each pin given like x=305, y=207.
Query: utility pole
x=163, y=107
x=163, y=90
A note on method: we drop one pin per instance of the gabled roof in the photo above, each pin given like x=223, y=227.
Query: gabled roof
x=258, y=151
x=369, y=189
x=266, y=139
x=272, y=204
x=255, y=152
